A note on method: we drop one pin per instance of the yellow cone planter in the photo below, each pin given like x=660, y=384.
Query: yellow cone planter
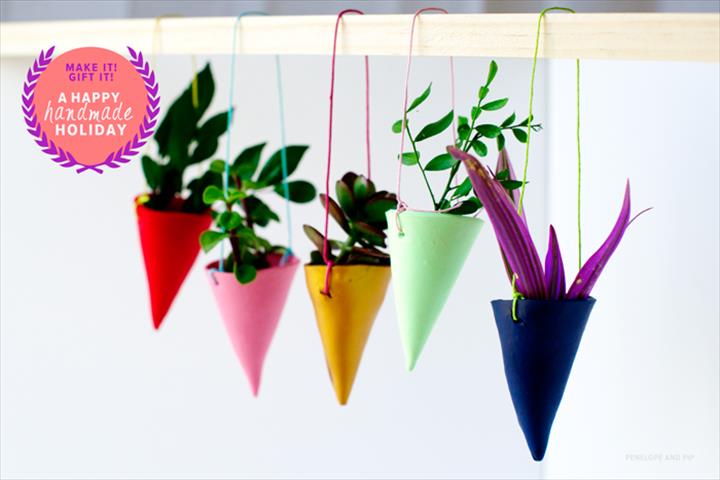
x=345, y=317
x=426, y=260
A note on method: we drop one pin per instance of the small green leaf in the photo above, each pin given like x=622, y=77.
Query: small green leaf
x=299, y=191
x=272, y=171
x=500, y=142
x=212, y=194
x=247, y=162
x=444, y=161
x=508, y=121
x=423, y=96
x=409, y=158
x=488, y=130
x=464, y=132
x=315, y=237
x=217, y=166
x=524, y=123
x=482, y=93
x=435, y=128
x=336, y=212
x=475, y=113
x=520, y=134
x=259, y=212
x=362, y=187
x=152, y=171
x=495, y=104
x=463, y=120
x=463, y=189
x=214, y=126
x=502, y=175
x=377, y=205
x=234, y=194
x=210, y=238
x=511, y=184
x=373, y=235
x=466, y=207
x=480, y=148
x=492, y=71
x=345, y=197
x=245, y=273
x=397, y=126
x=229, y=220
x=205, y=149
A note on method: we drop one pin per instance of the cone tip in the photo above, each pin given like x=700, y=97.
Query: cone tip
x=411, y=362
x=255, y=386
x=538, y=456
x=342, y=396
x=538, y=451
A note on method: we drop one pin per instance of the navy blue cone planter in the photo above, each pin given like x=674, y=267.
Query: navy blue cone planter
x=538, y=354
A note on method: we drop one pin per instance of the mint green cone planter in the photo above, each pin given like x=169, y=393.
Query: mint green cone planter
x=426, y=260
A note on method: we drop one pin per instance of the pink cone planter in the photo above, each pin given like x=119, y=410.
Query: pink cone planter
x=251, y=312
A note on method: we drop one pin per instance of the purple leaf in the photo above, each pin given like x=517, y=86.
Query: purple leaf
x=554, y=269
x=510, y=229
x=589, y=273
x=503, y=163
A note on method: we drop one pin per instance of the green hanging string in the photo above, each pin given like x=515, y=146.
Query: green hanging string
x=517, y=295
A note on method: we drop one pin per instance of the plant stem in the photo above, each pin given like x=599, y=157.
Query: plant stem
x=345, y=248
x=466, y=148
x=422, y=170
x=456, y=167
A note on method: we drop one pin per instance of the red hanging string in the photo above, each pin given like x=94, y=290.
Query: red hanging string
x=326, y=245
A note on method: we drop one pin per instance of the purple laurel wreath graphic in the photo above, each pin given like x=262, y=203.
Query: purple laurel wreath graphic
x=63, y=157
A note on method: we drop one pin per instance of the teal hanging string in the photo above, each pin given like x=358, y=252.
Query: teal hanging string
x=283, y=159
x=517, y=295
x=283, y=151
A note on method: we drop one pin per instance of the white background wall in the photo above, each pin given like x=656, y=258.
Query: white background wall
x=89, y=390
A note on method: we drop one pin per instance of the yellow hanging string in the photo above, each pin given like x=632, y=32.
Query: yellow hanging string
x=517, y=295
x=193, y=59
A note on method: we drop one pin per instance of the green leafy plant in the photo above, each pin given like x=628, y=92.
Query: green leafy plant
x=242, y=210
x=184, y=139
x=360, y=212
x=471, y=134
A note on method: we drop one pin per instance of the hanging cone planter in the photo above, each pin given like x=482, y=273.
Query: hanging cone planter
x=169, y=241
x=347, y=279
x=346, y=317
x=251, y=311
x=541, y=327
x=426, y=261
x=538, y=354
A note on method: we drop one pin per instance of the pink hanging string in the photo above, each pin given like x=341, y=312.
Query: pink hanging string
x=326, y=244
x=401, y=205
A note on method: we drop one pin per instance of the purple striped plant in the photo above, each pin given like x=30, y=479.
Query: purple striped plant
x=522, y=261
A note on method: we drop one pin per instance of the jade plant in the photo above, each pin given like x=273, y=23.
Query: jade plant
x=473, y=132
x=185, y=138
x=360, y=212
x=242, y=211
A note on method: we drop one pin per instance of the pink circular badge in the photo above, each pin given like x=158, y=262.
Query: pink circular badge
x=90, y=107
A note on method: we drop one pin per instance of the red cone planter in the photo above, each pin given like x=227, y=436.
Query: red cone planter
x=170, y=245
x=251, y=312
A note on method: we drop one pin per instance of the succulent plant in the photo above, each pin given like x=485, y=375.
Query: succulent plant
x=242, y=210
x=360, y=212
